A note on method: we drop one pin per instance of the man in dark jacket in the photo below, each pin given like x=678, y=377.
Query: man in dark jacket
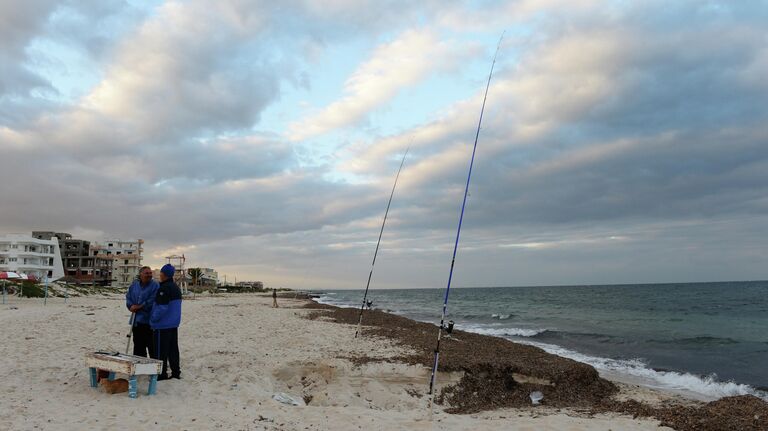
x=139, y=299
x=165, y=320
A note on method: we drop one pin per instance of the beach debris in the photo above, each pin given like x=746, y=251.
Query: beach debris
x=284, y=398
x=116, y=386
x=536, y=397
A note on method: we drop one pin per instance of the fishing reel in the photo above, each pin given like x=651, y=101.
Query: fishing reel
x=448, y=327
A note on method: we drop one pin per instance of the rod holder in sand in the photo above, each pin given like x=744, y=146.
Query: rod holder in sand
x=130, y=332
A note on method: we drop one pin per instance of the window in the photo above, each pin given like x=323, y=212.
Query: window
x=14, y=246
x=118, y=252
x=11, y=259
x=126, y=261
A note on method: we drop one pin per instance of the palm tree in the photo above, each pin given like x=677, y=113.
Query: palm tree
x=196, y=274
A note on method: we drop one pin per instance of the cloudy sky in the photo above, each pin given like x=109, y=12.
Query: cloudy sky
x=623, y=141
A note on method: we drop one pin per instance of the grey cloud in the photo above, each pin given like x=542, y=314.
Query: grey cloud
x=694, y=128
x=677, y=137
x=19, y=23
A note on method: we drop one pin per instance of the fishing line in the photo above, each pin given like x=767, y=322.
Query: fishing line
x=386, y=212
x=458, y=233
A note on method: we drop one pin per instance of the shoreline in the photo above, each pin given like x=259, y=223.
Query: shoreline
x=676, y=381
x=482, y=371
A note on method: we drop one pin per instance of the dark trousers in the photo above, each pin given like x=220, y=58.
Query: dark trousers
x=143, y=342
x=167, y=348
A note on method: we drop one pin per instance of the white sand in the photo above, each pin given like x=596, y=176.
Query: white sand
x=236, y=353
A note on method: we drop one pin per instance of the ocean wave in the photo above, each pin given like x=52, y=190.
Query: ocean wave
x=501, y=316
x=708, y=387
x=503, y=332
x=326, y=299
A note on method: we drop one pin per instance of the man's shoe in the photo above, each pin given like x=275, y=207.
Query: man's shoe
x=162, y=377
x=177, y=376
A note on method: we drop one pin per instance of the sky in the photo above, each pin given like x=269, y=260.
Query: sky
x=622, y=141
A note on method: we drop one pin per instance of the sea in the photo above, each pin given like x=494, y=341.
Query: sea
x=705, y=340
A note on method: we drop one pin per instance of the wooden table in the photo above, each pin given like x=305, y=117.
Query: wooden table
x=130, y=365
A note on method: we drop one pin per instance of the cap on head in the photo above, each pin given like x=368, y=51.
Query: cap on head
x=168, y=270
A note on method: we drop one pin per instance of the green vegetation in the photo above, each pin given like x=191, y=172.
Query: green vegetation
x=30, y=289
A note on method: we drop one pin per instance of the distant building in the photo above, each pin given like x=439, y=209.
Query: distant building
x=209, y=277
x=61, y=236
x=126, y=259
x=251, y=284
x=83, y=266
x=26, y=254
x=80, y=265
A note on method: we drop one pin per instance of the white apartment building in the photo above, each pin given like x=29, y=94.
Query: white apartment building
x=209, y=277
x=126, y=257
x=26, y=254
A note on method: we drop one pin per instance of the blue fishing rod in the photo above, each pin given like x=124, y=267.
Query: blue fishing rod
x=370, y=274
x=433, y=376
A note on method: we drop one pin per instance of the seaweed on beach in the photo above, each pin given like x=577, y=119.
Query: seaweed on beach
x=743, y=412
x=497, y=373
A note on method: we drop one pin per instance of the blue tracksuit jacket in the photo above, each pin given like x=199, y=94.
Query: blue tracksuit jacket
x=166, y=313
x=145, y=295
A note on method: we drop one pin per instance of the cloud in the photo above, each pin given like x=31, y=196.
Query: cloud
x=410, y=58
x=19, y=23
x=636, y=121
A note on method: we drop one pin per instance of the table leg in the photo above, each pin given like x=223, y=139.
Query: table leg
x=132, y=387
x=94, y=381
x=152, y=385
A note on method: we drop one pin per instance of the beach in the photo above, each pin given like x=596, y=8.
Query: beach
x=237, y=354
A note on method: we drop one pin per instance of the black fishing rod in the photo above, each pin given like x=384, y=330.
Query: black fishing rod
x=370, y=274
x=458, y=233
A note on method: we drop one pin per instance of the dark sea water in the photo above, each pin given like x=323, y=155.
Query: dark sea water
x=710, y=339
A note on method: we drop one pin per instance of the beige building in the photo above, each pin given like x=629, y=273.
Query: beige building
x=126, y=259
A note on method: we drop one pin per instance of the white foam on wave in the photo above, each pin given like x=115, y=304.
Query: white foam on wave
x=501, y=316
x=703, y=387
x=327, y=300
x=502, y=332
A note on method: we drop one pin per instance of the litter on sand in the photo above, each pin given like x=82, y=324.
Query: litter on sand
x=284, y=398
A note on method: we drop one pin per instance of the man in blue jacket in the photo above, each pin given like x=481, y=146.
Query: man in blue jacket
x=139, y=299
x=165, y=320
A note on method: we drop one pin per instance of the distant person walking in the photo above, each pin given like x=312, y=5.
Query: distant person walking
x=165, y=320
x=274, y=298
x=139, y=299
